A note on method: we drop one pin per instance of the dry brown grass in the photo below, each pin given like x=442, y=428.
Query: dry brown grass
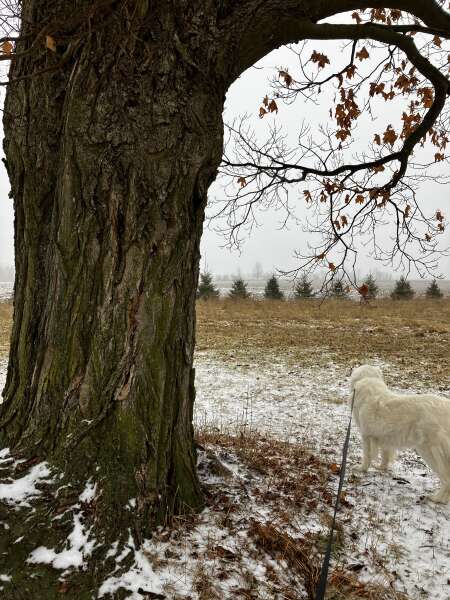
x=5, y=326
x=292, y=485
x=313, y=333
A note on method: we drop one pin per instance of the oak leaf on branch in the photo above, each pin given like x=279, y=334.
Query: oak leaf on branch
x=7, y=47
x=287, y=78
x=389, y=136
x=362, y=54
x=320, y=59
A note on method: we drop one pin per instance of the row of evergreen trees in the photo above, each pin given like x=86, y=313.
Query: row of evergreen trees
x=304, y=289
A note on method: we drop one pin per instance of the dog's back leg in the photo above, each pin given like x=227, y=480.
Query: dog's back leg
x=437, y=458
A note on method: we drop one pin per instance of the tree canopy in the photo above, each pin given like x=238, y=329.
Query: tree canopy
x=393, y=61
x=392, y=53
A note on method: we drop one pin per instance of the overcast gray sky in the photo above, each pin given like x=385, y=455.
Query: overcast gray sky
x=267, y=244
x=274, y=247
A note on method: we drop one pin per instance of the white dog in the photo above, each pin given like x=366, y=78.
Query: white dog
x=388, y=421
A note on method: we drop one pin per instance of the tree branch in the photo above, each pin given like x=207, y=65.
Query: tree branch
x=256, y=27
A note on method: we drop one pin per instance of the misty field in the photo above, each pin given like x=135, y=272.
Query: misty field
x=270, y=419
x=412, y=336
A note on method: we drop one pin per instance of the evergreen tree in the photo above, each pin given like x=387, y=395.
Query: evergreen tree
x=272, y=290
x=239, y=290
x=371, y=284
x=337, y=290
x=433, y=290
x=402, y=290
x=304, y=288
x=206, y=288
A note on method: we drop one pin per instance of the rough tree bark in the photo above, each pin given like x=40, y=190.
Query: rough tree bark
x=110, y=154
x=110, y=159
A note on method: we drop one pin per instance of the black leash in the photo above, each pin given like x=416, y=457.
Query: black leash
x=322, y=585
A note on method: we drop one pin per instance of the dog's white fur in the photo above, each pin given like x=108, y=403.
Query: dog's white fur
x=388, y=422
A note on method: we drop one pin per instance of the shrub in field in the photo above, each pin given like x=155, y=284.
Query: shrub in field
x=239, y=290
x=206, y=287
x=402, y=290
x=372, y=287
x=338, y=290
x=272, y=290
x=433, y=290
x=304, y=288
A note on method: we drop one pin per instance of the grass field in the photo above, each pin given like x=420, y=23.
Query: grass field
x=413, y=336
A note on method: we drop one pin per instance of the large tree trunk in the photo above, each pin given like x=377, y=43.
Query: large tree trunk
x=110, y=157
x=113, y=133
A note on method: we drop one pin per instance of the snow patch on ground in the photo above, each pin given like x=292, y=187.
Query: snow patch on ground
x=19, y=491
x=88, y=494
x=3, y=369
x=141, y=577
x=79, y=547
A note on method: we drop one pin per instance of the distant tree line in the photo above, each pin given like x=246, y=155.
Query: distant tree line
x=303, y=289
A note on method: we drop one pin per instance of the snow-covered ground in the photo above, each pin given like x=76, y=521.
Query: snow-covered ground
x=6, y=290
x=394, y=534
x=309, y=407
x=3, y=368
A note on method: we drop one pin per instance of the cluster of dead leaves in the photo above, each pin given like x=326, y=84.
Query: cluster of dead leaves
x=268, y=106
x=440, y=220
x=389, y=136
x=284, y=75
x=406, y=82
x=341, y=222
x=346, y=112
x=7, y=47
x=381, y=15
x=362, y=54
x=410, y=123
x=320, y=59
x=427, y=96
x=438, y=138
x=379, y=89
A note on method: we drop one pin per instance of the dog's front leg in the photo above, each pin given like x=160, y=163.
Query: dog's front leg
x=367, y=454
x=387, y=457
